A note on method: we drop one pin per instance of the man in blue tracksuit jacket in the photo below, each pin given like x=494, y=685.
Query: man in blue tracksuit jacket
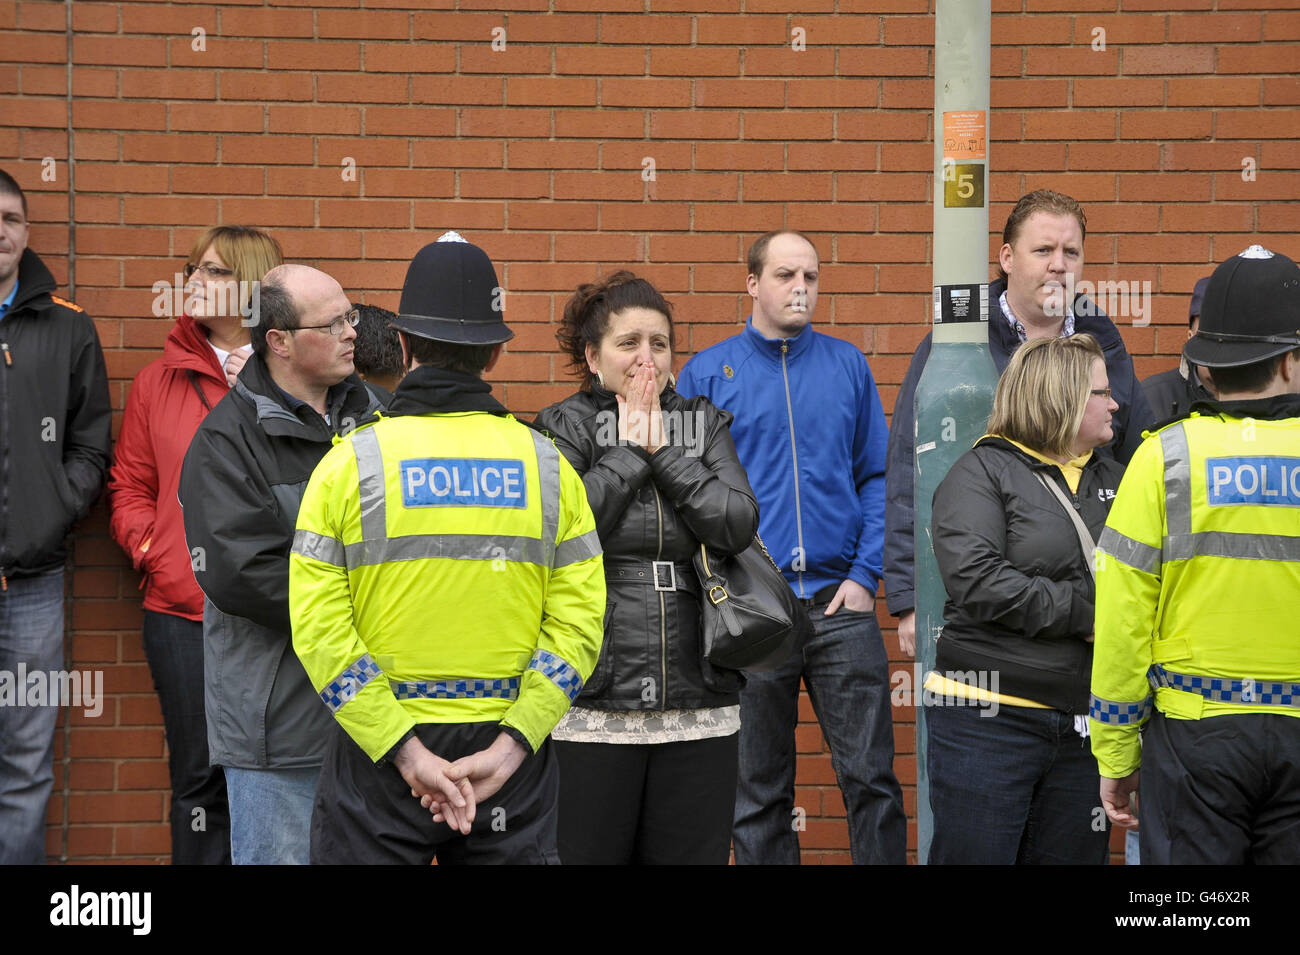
x=810, y=431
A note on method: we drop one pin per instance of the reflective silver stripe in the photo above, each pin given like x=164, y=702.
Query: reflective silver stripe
x=1126, y=550
x=461, y=689
x=524, y=550
x=370, y=477
x=1178, y=481
x=327, y=550
x=548, y=476
x=1225, y=544
x=1119, y=714
x=558, y=671
x=349, y=683
x=577, y=548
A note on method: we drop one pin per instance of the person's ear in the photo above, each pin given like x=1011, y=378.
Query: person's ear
x=592, y=352
x=493, y=358
x=279, y=341
x=406, y=352
x=751, y=285
x=1004, y=257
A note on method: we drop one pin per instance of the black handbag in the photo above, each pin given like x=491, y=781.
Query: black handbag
x=749, y=616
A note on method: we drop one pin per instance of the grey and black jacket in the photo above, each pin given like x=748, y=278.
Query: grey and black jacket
x=1020, y=596
x=240, y=489
x=55, y=422
x=652, y=512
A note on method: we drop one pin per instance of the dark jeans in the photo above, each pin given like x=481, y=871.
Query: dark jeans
x=647, y=804
x=31, y=639
x=365, y=813
x=1224, y=790
x=847, y=675
x=1018, y=787
x=200, y=816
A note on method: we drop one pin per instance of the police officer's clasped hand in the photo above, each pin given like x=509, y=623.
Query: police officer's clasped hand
x=431, y=781
x=485, y=771
x=640, y=420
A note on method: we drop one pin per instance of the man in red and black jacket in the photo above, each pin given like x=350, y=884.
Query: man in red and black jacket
x=55, y=434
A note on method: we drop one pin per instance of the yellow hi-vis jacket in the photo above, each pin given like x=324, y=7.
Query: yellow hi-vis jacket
x=446, y=569
x=1198, y=582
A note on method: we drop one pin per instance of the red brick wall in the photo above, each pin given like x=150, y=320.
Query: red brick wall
x=536, y=152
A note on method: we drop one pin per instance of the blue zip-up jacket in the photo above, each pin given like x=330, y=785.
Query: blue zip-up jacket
x=1128, y=422
x=810, y=431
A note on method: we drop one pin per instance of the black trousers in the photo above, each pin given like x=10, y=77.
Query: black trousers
x=1220, y=791
x=655, y=804
x=200, y=812
x=365, y=814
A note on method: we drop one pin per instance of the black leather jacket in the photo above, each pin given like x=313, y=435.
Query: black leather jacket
x=1020, y=597
x=651, y=508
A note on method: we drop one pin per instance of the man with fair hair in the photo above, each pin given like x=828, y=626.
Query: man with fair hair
x=240, y=488
x=54, y=449
x=810, y=432
x=1040, y=261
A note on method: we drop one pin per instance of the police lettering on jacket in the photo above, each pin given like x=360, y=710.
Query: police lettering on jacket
x=463, y=482
x=1253, y=480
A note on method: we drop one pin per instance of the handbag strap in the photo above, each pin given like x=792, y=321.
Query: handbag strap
x=194, y=383
x=1085, y=537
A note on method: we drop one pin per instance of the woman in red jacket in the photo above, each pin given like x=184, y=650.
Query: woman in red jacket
x=169, y=399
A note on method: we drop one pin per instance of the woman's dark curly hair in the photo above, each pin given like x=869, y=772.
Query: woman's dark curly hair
x=586, y=314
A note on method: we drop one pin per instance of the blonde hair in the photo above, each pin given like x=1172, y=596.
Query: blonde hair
x=1044, y=392
x=249, y=252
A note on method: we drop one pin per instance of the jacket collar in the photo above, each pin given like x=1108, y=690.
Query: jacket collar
x=279, y=413
x=771, y=347
x=188, y=349
x=1267, y=409
x=1087, y=318
x=997, y=441
x=34, y=280
x=442, y=391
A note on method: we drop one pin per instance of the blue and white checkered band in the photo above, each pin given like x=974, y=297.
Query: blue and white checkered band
x=503, y=689
x=349, y=683
x=1119, y=714
x=1226, y=690
x=557, y=671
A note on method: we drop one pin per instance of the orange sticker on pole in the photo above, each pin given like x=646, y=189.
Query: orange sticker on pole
x=965, y=135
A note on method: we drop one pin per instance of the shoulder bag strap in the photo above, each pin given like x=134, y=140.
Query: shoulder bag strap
x=194, y=381
x=1085, y=538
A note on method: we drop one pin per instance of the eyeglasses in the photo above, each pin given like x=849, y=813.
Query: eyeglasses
x=211, y=271
x=1100, y=392
x=348, y=318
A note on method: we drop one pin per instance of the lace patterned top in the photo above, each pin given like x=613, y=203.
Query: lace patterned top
x=646, y=727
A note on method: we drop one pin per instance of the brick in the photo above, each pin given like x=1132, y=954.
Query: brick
x=223, y=180
x=111, y=177
x=1163, y=188
x=604, y=123
x=333, y=120
x=86, y=841
x=515, y=59
x=409, y=120
x=494, y=184
x=1278, y=156
x=154, y=18
x=460, y=153
x=315, y=55
x=553, y=216
x=692, y=125
x=1022, y=31
x=1071, y=125
x=1216, y=28
x=1138, y=60
x=1257, y=59
x=152, y=210
x=216, y=117
x=694, y=62
x=1277, y=26
x=818, y=156
x=365, y=24
x=879, y=127
x=269, y=150
x=1282, y=186
x=466, y=29
x=550, y=91
x=1281, y=91
x=144, y=775
x=1215, y=91
x=881, y=248
x=908, y=187
x=552, y=155
x=1207, y=217
x=115, y=807
x=1126, y=30
x=294, y=181
x=906, y=94
x=367, y=213
x=611, y=61
x=599, y=185
x=20, y=48
x=727, y=156
x=628, y=6
x=488, y=216
x=1120, y=92
x=257, y=23
x=874, y=61
x=818, y=94
x=46, y=112
x=747, y=31
x=645, y=92
x=129, y=840
x=694, y=248
x=786, y=126
x=423, y=183
x=786, y=62
x=1093, y=156
x=1051, y=61
x=1004, y=94
x=555, y=28
x=658, y=29
x=1204, y=155
x=318, y=243
x=1163, y=248
x=402, y=58
x=1256, y=124
x=656, y=216
x=361, y=88
x=217, y=53
x=505, y=123
x=119, y=50
x=746, y=93
x=1165, y=124
x=168, y=84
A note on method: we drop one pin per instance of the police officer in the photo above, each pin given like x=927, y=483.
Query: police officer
x=447, y=592
x=1198, y=591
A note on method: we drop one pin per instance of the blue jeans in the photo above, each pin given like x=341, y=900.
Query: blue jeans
x=200, y=816
x=844, y=667
x=270, y=815
x=1017, y=788
x=31, y=633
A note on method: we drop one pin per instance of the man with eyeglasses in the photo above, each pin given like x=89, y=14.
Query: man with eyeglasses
x=240, y=488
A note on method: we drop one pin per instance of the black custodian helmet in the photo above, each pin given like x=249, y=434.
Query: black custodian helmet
x=451, y=294
x=1251, y=311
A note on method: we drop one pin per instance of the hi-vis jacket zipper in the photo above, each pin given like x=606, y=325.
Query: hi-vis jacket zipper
x=794, y=454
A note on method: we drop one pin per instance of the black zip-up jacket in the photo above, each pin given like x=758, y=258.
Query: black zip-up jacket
x=1171, y=394
x=56, y=422
x=648, y=508
x=241, y=485
x=1020, y=596
x=1133, y=416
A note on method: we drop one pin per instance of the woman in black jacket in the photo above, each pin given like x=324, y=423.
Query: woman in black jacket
x=1012, y=779
x=648, y=751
